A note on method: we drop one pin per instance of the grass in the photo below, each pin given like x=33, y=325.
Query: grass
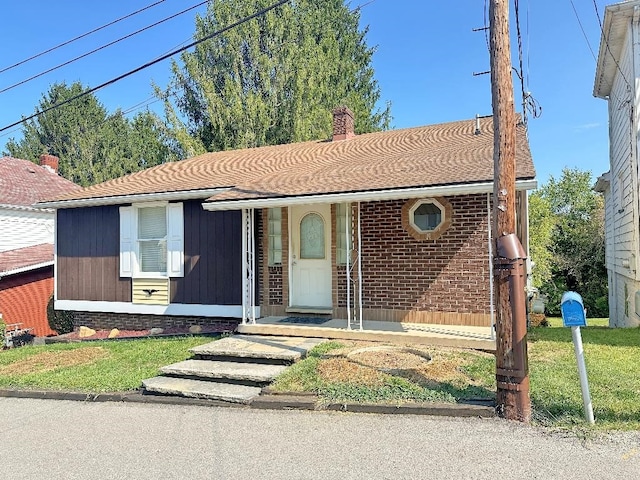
x=109, y=366
x=591, y=322
x=335, y=379
x=612, y=357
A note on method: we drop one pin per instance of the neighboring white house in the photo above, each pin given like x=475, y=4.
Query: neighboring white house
x=617, y=77
x=26, y=239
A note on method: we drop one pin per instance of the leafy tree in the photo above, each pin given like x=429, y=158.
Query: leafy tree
x=93, y=145
x=567, y=221
x=541, y=221
x=274, y=79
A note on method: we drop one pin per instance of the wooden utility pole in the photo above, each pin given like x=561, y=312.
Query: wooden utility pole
x=512, y=375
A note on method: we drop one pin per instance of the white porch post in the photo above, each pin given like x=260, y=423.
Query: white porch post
x=348, y=233
x=491, y=306
x=248, y=267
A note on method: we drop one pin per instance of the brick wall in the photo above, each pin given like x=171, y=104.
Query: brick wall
x=125, y=321
x=24, y=298
x=449, y=274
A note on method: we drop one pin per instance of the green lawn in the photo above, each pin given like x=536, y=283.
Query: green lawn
x=591, y=322
x=612, y=357
x=107, y=366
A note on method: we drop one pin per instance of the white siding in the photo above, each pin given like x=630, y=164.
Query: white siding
x=20, y=229
x=621, y=225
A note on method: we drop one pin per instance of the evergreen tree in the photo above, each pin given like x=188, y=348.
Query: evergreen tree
x=274, y=79
x=93, y=145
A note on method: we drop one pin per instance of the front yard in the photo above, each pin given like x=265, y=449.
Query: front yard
x=353, y=372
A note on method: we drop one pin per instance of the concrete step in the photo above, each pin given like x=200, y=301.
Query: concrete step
x=227, y=392
x=284, y=349
x=208, y=369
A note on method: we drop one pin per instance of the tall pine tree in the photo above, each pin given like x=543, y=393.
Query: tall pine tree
x=274, y=79
x=93, y=145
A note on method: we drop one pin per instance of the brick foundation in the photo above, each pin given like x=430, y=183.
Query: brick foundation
x=125, y=321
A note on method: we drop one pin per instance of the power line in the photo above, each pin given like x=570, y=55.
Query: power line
x=102, y=47
x=79, y=37
x=149, y=64
x=582, y=28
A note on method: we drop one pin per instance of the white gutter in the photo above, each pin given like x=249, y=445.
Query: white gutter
x=28, y=268
x=365, y=196
x=134, y=198
x=25, y=208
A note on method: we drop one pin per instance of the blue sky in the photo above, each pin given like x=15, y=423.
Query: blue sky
x=426, y=55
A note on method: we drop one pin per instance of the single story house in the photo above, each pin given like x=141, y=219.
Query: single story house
x=390, y=226
x=26, y=240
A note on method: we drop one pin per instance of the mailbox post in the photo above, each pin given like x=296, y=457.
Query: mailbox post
x=574, y=316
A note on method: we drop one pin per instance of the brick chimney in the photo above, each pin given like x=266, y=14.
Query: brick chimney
x=342, y=124
x=50, y=162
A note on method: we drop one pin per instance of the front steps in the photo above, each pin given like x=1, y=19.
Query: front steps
x=233, y=369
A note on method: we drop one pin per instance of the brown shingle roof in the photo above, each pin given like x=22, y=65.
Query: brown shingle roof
x=443, y=154
x=25, y=257
x=23, y=183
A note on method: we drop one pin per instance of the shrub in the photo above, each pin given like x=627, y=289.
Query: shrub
x=59, y=320
x=538, y=320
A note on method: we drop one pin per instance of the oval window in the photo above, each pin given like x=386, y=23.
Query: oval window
x=312, y=237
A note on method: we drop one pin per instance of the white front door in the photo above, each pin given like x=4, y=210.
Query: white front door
x=310, y=256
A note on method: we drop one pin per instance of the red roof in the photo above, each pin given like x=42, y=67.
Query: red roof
x=25, y=257
x=23, y=183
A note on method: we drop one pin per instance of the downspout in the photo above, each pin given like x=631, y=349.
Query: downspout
x=491, y=302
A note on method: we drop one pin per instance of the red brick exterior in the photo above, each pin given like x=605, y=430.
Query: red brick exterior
x=444, y=280
x=24, y=298
x=450, y=274
x=127, y=321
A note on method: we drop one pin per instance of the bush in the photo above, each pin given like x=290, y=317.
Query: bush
x=59, y=320
x=538, y=320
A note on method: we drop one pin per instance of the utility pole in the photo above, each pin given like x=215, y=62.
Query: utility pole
x=512, y=372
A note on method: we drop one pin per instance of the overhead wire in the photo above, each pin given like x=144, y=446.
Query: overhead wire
x=149, y=64
x=33, y=57
x=529, y=104
x=102, y=47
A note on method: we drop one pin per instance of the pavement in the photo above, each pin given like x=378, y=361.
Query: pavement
x=108, y=440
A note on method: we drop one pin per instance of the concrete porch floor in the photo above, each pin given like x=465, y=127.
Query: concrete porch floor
x=458, y=336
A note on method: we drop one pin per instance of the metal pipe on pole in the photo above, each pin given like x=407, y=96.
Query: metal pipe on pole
x=512, y=375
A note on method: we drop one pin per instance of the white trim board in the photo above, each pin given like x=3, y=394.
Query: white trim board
x=173, y=309
x=365, y=196
x=134, y=198
x=28, y=268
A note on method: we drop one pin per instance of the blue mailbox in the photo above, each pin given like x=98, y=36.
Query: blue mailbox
x=572, y=308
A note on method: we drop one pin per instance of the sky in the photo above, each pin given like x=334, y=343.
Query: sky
x=426, y=55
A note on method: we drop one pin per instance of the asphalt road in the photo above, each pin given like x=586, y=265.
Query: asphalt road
x=74, y=440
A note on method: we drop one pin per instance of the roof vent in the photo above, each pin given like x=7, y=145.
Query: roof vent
x=477, y=131
x=343, y=124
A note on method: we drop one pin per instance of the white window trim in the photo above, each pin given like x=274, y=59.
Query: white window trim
x=417, y=205
x=130, y=246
